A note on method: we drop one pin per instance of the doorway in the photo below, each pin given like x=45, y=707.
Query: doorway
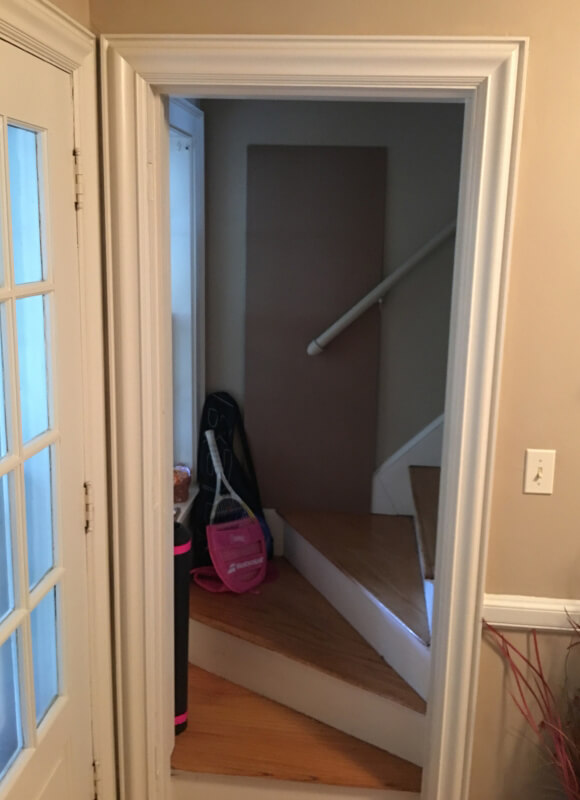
x=423, y=153
x=405, y=159
x=256, y=67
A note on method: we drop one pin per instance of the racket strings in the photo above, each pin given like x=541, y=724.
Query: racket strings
x=228, y=509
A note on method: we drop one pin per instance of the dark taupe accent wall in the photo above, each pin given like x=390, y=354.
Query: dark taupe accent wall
x=315, y=238
x=424, y=145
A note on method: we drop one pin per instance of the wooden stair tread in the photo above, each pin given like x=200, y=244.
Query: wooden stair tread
x=290, y=617
x=378, y=551
x=425, y=486
x=232, y=731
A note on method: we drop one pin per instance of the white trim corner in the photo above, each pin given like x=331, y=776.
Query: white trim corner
x=45, y=31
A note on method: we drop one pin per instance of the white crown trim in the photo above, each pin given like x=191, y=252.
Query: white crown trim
x=46, y=32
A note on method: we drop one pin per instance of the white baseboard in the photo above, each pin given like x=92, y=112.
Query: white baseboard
x=377, y=720
x=194, y=786
x=391, y=492
x=384, y=631
x=527, y=612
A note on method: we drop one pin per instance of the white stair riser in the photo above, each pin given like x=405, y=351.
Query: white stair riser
x=382, y=629
x=391, y=492
x=192, y=786
x=371, y=718
x=276, y=525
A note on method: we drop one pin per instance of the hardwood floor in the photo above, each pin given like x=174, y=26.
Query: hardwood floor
x=232, y=731
x=425, y=486
x=290, y=617
x=378, y=551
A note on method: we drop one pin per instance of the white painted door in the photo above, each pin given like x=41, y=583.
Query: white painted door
x=45, y=738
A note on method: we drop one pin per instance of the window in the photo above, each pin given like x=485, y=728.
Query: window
x=187, y=275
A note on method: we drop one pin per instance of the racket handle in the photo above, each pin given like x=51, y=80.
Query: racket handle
x=214, y=452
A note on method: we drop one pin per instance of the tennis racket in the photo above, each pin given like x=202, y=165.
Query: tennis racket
x=227, y=504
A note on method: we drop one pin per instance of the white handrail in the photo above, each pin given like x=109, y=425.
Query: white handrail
x=317, y=345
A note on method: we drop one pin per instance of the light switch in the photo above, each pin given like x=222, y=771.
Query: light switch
x=539, y=471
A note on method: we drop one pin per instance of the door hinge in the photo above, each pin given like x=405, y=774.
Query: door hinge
x=79, y=179
x=89, y=507
x=96, y=778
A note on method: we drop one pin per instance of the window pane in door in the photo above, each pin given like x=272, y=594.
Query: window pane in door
x=10, y=716
x=39, y=515
x=6, y=566
x=43, y=628
x=30, y=320
x=25, y=204
x=2, y=252
x=3, y=388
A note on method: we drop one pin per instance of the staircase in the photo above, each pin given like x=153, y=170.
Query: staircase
x=367, y=566
x=322, y=676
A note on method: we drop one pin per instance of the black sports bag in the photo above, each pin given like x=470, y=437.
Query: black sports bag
x=221, y=414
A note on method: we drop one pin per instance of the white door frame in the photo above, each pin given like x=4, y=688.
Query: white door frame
x=487, y=75
x=42, y=30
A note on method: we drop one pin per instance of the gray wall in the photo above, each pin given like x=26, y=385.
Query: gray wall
x=424, y=144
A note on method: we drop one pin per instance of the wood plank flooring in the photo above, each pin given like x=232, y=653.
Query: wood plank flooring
x=232, y=731
x=425, y=486
x=290, y=617
x=378, y=551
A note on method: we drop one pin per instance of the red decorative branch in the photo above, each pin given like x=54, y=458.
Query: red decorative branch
x=536, y=702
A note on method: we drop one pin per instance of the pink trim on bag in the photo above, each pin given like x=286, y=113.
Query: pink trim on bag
x=180, y=549
x=181, y=718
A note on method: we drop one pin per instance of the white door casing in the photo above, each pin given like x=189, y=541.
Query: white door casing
x=487, y=76
x=49, y=40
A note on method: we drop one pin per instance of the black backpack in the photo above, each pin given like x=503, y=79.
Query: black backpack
x=222, y=415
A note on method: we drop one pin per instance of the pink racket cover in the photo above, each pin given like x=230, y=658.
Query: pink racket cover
x=238, y=552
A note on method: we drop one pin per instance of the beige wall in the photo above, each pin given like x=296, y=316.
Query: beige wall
x=423, y=151
x=77, y=9
x=534, y=543
x=540, y=390
x=508, y=762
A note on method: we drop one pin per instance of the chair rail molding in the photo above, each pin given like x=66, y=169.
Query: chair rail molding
x=530, y=613
x=487, y=77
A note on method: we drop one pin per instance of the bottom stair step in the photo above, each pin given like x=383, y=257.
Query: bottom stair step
x=367, y=567
x=289, y=644
x=233, y=731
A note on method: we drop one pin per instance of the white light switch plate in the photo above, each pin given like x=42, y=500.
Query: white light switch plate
x=539, y=471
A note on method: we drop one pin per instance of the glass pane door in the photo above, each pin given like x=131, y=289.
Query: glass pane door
x=29, y=560
x=44, y=646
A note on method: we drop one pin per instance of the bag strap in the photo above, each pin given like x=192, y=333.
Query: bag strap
x=225, y=406
x=208, y=579
x=248, y=461
x=217, y=406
